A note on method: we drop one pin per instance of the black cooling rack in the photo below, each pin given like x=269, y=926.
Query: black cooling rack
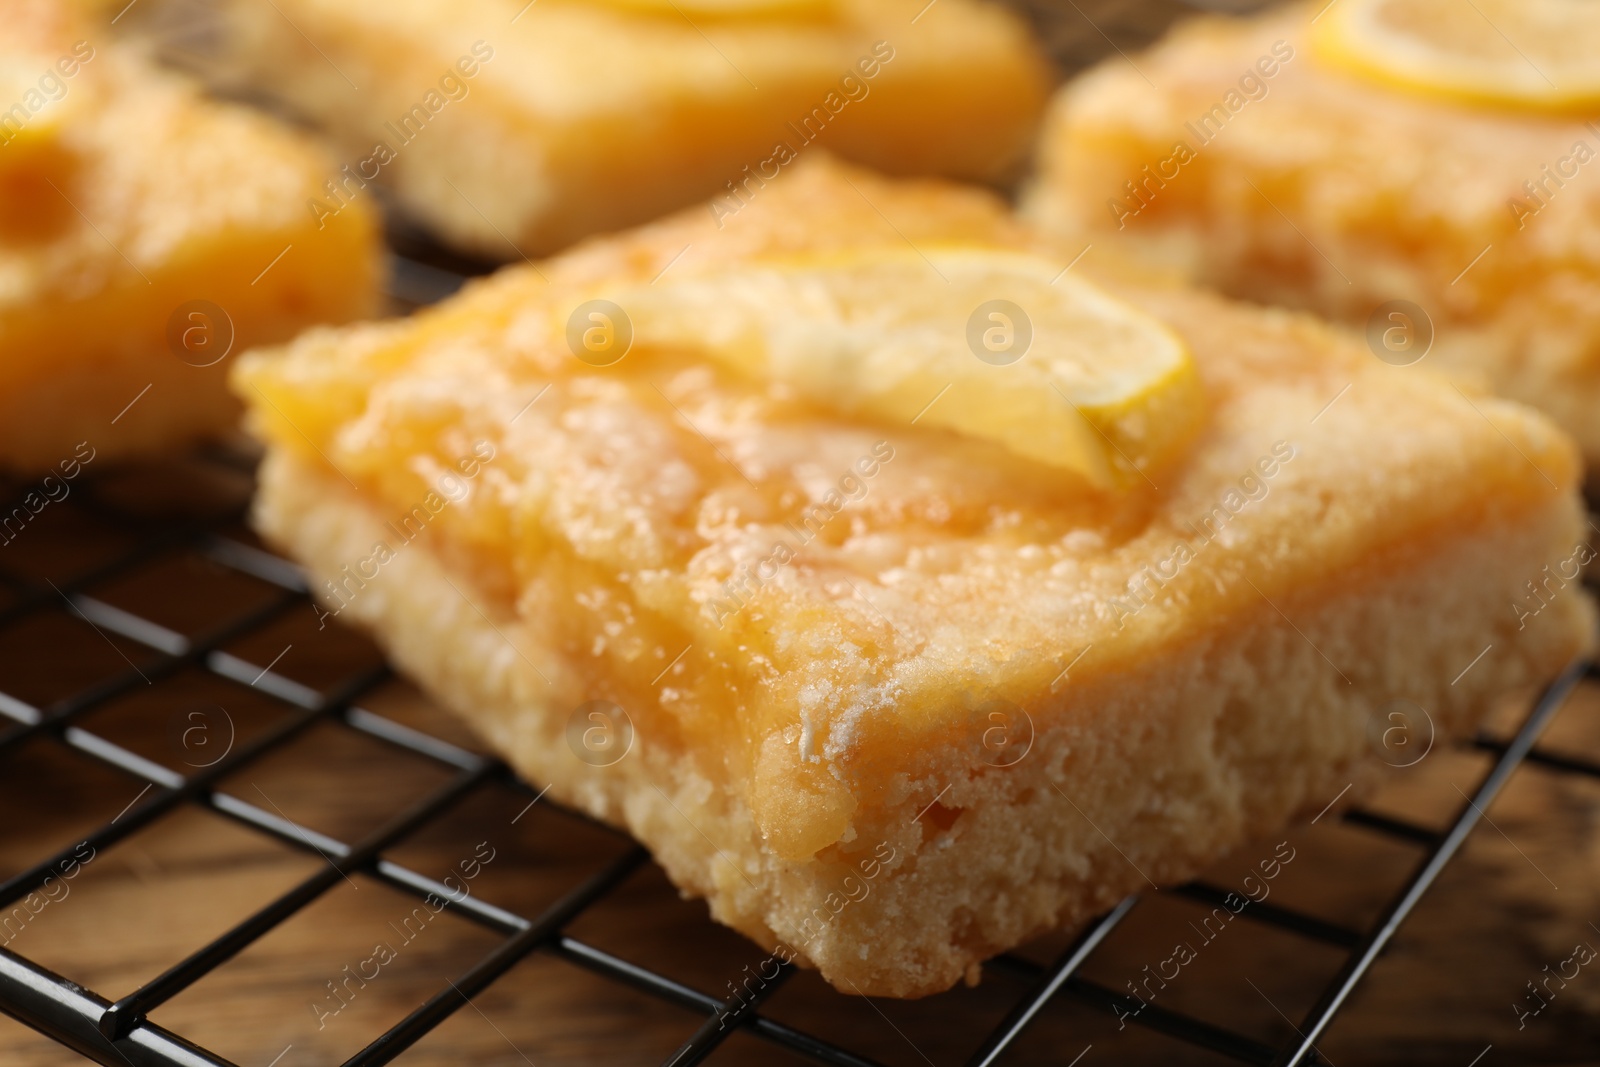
x=120, y=1032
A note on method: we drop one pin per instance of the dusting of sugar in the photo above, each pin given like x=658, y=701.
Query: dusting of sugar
x=1083, y=541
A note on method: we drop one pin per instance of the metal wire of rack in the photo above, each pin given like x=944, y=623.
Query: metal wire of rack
x=121, y=1032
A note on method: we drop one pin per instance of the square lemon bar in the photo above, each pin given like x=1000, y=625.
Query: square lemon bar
x=145, y=232
x=1420, y=170
x=512, y=128
x=896, y=673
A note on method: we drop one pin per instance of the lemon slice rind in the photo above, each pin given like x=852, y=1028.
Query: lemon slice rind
x=1092, y=384
x=1362, y=36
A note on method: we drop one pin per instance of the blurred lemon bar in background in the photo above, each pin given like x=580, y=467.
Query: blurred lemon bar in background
x=511, y=128
x=145, y=233
x=1422, y=170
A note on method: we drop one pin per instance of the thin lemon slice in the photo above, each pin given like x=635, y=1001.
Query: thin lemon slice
x=1534, y=54
x=992, y=344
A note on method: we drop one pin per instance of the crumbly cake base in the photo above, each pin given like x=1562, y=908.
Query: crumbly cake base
x=1147, y=775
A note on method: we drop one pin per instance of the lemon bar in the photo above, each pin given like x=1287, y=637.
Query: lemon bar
x=891, y=688
x=145, y=233
x=1419, y=170
x=512, y=128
